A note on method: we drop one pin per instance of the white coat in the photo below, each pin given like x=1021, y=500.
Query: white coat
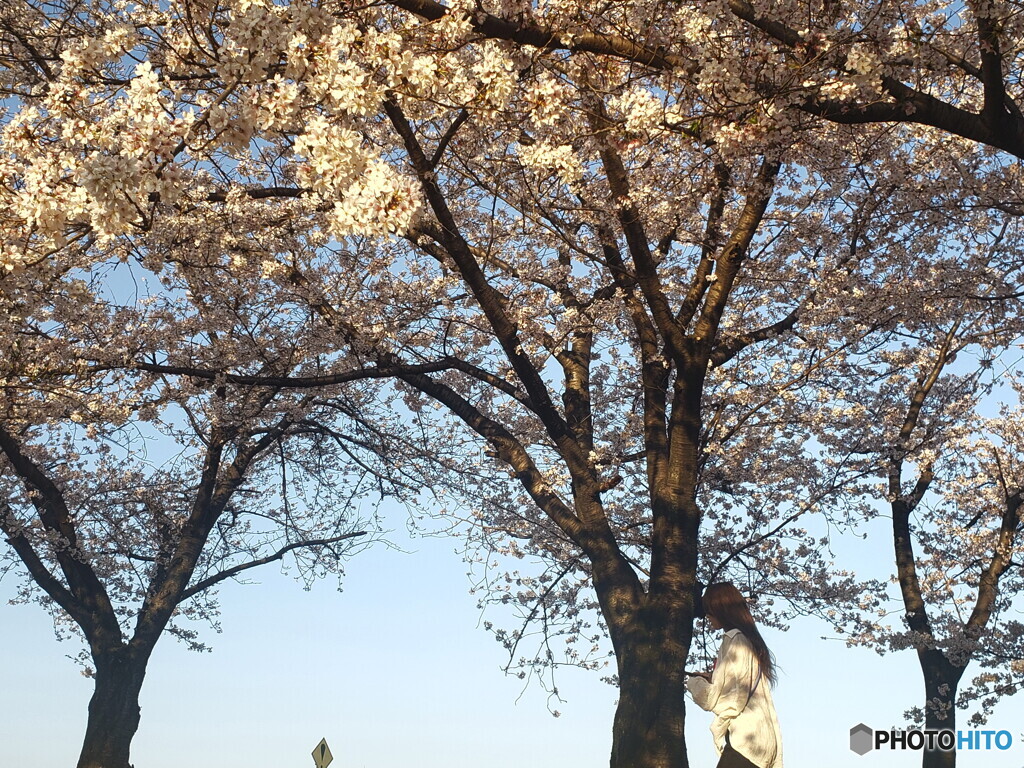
x=741, y=698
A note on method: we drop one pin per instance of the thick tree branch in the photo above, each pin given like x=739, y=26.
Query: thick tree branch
x=654, y=371
x=925, y=387
x=910, y=105
x=994, y=108
x=509, y=449
x=730, y=261
x=712, y=239
x=445, y=140
x=616, y=581
x=988, y=584
x=216, y=487
x=527, y=33
x=95, y=610
x=33, y=52
x=490, y=300
x=902, y=505
x=731, y=346
x=644, y=269
x=305, y=382
x=40, y=574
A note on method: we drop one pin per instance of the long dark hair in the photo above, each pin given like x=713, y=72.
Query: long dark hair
x=726, y=604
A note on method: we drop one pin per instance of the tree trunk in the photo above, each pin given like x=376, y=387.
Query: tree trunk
x=940, y=685
x=113, y=710
x=649, y=719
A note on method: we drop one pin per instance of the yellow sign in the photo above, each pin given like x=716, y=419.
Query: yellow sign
x=322, y=754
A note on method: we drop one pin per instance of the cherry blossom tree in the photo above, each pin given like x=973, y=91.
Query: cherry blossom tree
x=943, y=431
x=934, y=68
x=568, y=331
x=129, y=493
x=600, y=252
x=950, y=66
x=128, y=498
x=954, y=67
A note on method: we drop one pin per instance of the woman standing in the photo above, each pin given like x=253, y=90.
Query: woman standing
x=745, y=729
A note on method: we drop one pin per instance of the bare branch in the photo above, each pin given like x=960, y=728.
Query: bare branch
x=235, y=570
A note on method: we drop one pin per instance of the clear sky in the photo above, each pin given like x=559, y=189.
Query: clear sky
x=396, y=671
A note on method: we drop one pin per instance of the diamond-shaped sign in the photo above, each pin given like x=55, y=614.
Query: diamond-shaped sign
x=322, y=754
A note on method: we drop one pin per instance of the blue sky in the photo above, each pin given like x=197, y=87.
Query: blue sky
x=397, y=671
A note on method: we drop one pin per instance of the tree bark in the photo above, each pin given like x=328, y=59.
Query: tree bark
x=940, y=685
x=113, y=710
x=648, y=728
x=648, y=731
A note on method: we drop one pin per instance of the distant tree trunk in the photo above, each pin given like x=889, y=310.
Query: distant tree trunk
x=940, y=685
x=113, y=710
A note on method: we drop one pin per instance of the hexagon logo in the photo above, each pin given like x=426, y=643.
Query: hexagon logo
x=862, y=739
